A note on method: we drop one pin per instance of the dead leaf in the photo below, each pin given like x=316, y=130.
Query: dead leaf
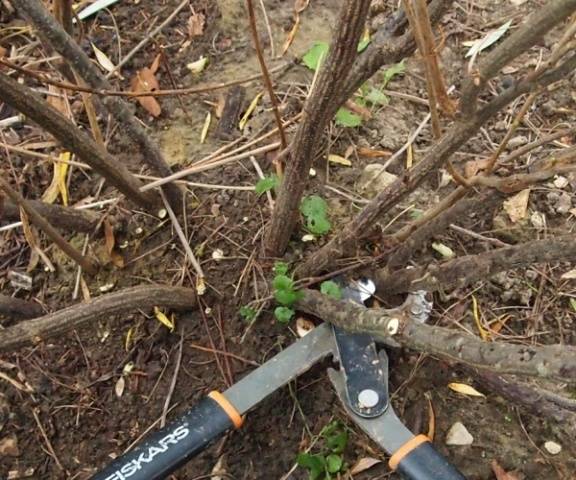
x=249, y=110
x=119, y=387
x=365, y=113
x=206, y=127
x=196, y=24
x=109, y=237
x=474, y=166
x=303, y=326
x=364, y=464
x=3, y=51
x=57, y=100
x=198, y=66
x=431, y=419
x=370, y=153
x=500, y=473
x=32, y=238
x=58, y=184
x=163, y=319
x=9, y=447
x=570, y=275
x=300, y=5
x=156, y=63
x=337, y=159
x=103, y=59
x=145, y=81
x=465, y=389
x=517, y=206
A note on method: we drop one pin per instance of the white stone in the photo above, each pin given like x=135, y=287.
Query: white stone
x=459, y=435
x=374, y=179
x=552, y=448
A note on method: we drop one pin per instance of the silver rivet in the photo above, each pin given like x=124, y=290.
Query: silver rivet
x=368, y=398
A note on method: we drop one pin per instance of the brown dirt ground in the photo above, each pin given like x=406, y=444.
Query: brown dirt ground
x=74, y=377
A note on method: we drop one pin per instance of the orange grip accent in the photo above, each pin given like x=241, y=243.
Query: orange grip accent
x=406, y=449
x=228, y=408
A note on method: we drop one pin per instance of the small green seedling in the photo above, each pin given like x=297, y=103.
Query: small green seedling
x=314, y=210
x=329, y=462
x=284, y=292
x=271, y=182
x=247, y=313
x=332, y=289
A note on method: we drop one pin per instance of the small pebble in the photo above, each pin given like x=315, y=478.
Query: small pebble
x=459, y=435
x=552, y=448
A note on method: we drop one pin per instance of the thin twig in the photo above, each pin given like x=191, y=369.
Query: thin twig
x=47, y=440
x=186, y=245
x=173, y=382
x=266, y=78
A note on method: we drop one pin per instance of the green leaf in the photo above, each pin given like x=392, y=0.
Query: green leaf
x=247, y=313
x=286, y=297
x=376, y=97
x=280, y=268
x=392, y=71
x=283, y=314
x=364, y=42
x=315, y=464
x=266, y=184
x=283, y=282
x=332, y=289
x=337, y=443
x=345, y=118
x=315, y=55
x=318, y=224
x=334, y=463
x=313, y=205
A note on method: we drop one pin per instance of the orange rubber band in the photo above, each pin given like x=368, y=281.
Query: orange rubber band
x=406, y=449
x=228, y=408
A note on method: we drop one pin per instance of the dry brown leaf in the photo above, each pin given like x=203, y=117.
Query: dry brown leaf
x=474, y=166
x=365, y=113
x=300, y=5
x=196, y=24
x=517, y=206
x=109, y=237
x=36, y=251
x=103, y=59
x=291, y=35
x=371, y=153
x=156, y=63
x=465, y=389
x=145, y=81
x=3, y=51
x=500, y=473
x=364, y=464
x=431, y=419
x=9, y=447
x=57, y=100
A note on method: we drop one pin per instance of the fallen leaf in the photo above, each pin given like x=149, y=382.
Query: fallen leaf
x=32, y=238
x=465, y=389
x=371, y=153
x=145, y=81
x=476, y=46
x=364, y=112
x=94, y=8
x=472, y=167
x=120, y=386
x=58, y=184
x=196, y=24
x=303, y=326
x=219, y=470
x=569, y=275
x=109, y=239
x=163, y=319
x=431, y=419
x=3, y=51
x=249, y=111
x=57, y=100
x=9, y=447
x=198, y=66
x=300, y=5
x=443, y=250
x=333, y=158
x=459, y=435
x=103, y=59
x=364, y=464
x=205, y=127
x=500, y=473
x=517, y=206
x=476, y=313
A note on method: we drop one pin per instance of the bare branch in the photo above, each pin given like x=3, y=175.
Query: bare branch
x=128, y=300
x=556, y=362
x=466, y=270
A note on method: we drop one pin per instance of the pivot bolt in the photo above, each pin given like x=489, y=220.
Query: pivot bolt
x=368, y=398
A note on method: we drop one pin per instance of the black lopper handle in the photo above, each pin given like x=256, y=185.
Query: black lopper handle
x=165, y=450
x=419, y=460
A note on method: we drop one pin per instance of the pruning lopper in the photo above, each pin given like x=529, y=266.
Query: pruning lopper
x=361, y=384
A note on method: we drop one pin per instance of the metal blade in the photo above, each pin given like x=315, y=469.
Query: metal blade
x=279, y=370
x=386, y=430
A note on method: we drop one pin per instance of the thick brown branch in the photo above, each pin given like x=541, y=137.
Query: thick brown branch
x=556, y=362
x=30, y=104
x=541, y=22
x=318, y=111
x=472, y=268
x=64, y=218
x=124, y=301
x=456, y=136
x=48, y=229
x=60, y=41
